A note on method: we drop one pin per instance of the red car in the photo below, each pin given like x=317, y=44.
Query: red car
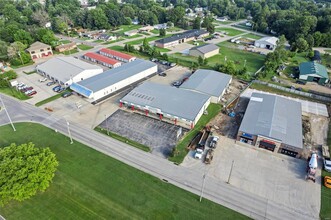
x=32, y=93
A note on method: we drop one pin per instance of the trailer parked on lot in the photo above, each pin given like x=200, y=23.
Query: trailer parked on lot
x=209, y=156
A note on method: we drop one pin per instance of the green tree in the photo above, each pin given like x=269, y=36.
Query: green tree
x=128, y=11
x=301, y=45
x=46, y=36
x=23, y=37
x=24, y=171
x=197, y=23
x=200, y=61
x=3, y=50
x=162, y=32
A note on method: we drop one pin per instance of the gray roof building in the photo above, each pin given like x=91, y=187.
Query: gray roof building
x=186, y=34
x=209, y=82
x=118, y=74
x=274, y=117
x=65, y=68
x=206, y=48
x=183, y=104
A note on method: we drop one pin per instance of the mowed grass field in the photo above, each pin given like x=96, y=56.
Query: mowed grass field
x=230, y=31
x=91, y=185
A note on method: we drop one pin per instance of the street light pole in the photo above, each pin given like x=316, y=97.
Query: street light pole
x=107, y=124
x=7, y=114
x=68, y=126
x=228, y=182
x=203, y=186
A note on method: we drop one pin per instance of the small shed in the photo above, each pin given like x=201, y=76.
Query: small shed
x=313, y=72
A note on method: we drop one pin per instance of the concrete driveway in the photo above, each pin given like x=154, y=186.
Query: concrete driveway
x=278, y=178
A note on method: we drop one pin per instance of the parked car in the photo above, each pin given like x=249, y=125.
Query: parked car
x=61, y=89
x=66, y=94
x=213, y=142
x=198, y=153
x=32, y=92
x=43, y=79
x=177, y=83
x=327, y=165
x=327, y=182
x=299, y=89
x=162, y=74
x=50, y=83
x=164, y=62
x=300, y=82
x=56, y=88
x=154, y=59
x=172, y=64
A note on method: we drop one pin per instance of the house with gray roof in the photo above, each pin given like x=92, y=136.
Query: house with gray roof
x=209, y=82
x=205, y=51
x=273, y=123
x=163, y=101
x=267, y=43
x=66, y=70
x=313, y=72
x=109, y=82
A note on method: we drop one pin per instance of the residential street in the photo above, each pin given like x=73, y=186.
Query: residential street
x=189, y=179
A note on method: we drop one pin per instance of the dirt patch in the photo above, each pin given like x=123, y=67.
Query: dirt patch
x=234, y=89
x=319, y=129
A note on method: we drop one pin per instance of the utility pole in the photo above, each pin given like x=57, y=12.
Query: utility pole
x=19, y=54
x=228, y=182
x=203, y=186
x=107, y=125
x=7, y=114
x=68, y=126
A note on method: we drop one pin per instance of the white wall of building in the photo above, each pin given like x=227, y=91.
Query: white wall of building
x=85, y=75
x=203, y=108
x=119, y=85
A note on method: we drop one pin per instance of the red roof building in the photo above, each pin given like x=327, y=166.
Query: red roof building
x=117, y=55
x=105, y=61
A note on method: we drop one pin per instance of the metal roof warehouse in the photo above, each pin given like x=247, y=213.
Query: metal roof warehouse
x=274, y=121
x=208, y=82
x=170, y=102
x=113, y=80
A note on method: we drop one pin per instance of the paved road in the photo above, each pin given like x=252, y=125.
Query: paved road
x=185, y=178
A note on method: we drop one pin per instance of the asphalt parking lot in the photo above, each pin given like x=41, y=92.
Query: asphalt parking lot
x=160, y=136
x=173, y=74
x=276, y=177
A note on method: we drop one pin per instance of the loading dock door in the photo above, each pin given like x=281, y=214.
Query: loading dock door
x=268, y=145
x=289, y=152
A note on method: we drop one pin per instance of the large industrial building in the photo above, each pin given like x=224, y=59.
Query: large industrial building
x=104, y=85
x=105, y=61
x=66, y=70
x=208, y=82
x=313, y=72
x=273, y=123
x=181, y=38
x=177, y=105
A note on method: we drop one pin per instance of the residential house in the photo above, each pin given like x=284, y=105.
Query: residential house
x=66, y=47
x=39, y=50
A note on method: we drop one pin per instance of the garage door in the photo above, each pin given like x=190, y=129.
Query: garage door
x=289, y=152
x=268, y=145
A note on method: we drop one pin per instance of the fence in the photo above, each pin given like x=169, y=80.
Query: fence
x=306, y=94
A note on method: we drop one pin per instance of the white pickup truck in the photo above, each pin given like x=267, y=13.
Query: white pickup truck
x=213, y=142
x=198, y=153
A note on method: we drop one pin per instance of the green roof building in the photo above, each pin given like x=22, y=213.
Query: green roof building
x=313, y=72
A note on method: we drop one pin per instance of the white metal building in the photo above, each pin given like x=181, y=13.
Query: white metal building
x=103, y=85
x=208, y=82
x=178, y=105
x=66, y=70
x=266, y=42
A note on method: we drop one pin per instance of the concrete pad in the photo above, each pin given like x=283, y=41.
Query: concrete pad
x=276, y=177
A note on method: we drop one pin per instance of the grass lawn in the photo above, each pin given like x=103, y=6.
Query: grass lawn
x=19, y=66
x=50, y=99
x=222, y=22
x=182, y=60
x=252, y=36
x=230, y=31
x=125, y=28
x=137, y=54
x=149, y=39
x=162, y=49
x=14, y=93
x=329, y=51
x=84, y=47
x=326, y=60
x=64, y=42
x=113, y=41
x=181, y=150
x=91, y=185
x=173, y=29
x=155, y=31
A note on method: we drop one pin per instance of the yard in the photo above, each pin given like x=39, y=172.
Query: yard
x=229, y=31
x=149, y=39
x=125, y=28
x=252, y=36
x=84, y=47
x=181, y=150
x=14, y=93
x=91, y=185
